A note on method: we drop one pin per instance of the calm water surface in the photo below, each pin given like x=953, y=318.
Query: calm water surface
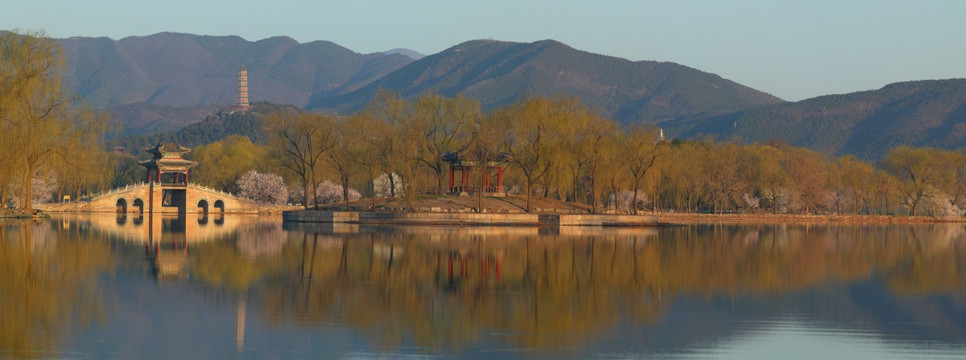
x=236, y=287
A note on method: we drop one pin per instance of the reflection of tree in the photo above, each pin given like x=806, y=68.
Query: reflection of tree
x=235, y=266
x=552, y=291
x=261, y=239
x=46, y=285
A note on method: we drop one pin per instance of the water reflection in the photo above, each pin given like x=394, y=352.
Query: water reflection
x=450, y=291
x=48, y=283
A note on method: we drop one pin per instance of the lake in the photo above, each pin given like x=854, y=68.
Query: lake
x=247, y=287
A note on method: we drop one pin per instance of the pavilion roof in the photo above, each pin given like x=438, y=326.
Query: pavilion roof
x=167, y=149
x=456, y=158
x=168, y=163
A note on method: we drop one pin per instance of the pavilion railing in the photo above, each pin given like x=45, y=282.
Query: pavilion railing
x=473, y=189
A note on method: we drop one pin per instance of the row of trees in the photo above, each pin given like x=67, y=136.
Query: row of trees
x=46, y=133
x=557, y=148
x=554, y=143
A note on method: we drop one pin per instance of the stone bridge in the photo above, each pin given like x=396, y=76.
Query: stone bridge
x=163, y=198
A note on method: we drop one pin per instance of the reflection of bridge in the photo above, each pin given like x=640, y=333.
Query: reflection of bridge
x=151, y=229
x=165, y=238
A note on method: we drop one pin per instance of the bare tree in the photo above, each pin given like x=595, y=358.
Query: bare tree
x=300, y=141
x=640, y=146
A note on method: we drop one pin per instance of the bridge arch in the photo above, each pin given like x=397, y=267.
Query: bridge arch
x=220, y=205
x=203, y=206
x=121, y=206
x=139, y=204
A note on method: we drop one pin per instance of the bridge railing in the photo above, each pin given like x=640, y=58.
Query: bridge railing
x=208, y=189
x=129, y=187
x=114, y=191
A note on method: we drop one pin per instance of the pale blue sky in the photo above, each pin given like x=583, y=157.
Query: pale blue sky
x=792, y=49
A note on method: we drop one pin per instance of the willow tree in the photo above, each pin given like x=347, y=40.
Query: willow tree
x=856, y=177
x=366, y=159
x=916, y=169
x=808, y=175
x=222, y=163
x=39, y=120
x=88, y=169
x=342, y=157
x=439, y=126
x=640, y=145
x=385, y=114
x=583, y=141
x=532, y=129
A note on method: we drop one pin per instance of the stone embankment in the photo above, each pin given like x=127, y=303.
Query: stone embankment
x=481, y=219
x=22, y=214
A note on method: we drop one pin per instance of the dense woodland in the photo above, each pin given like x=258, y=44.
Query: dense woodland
x=553, y=147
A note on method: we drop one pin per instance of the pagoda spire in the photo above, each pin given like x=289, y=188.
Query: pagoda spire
x=243, y=103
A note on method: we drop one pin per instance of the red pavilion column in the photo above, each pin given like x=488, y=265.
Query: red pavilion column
x=499, y=179
x=451, y=179
x=486, y=178
x=186, y=176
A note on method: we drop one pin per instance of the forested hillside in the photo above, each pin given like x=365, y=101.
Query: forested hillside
x=499, y=73
x=866, y=124
x=145, y=118
x=187, y=70
x=212, y=128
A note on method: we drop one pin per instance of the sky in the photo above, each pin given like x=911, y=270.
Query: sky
x=789, y=48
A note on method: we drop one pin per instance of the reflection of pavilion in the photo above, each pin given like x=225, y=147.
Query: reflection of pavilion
x=145, y=228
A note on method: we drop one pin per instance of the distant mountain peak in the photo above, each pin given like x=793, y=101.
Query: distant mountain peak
x=866, y=124
x=176, y=69
x=412, y=54
x=499, y=72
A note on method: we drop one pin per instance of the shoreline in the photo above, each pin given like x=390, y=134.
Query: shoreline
x=466, y=219
x=696, y=218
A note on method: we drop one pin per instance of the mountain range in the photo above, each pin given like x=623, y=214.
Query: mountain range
x=187, y=70
x=866, y=124
x=498, y=73
x=166, y=81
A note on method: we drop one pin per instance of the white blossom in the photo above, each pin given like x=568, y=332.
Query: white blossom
x=331, y=193
x=263, y=188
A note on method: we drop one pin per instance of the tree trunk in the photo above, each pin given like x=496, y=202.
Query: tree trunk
x=372, y=191
x=28, y=193
x=392, y=185
x=345, y=191
x=315, y=193
x=305, y=193
x=528, y=195
x=634, y=201
x=439, y=180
